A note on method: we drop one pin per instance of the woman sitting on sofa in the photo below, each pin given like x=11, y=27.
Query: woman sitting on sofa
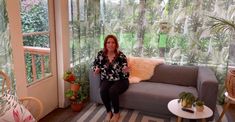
x=112, y=66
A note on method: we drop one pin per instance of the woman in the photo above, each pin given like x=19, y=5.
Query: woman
x=112, y=66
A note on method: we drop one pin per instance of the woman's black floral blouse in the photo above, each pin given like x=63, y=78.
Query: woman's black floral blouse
x=111, y=71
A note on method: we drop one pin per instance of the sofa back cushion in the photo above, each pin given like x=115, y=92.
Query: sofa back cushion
x=173, y=74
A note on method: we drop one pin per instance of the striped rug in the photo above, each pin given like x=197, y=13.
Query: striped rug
x=96, y=113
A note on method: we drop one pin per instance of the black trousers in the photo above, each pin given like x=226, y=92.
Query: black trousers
x=110, y=91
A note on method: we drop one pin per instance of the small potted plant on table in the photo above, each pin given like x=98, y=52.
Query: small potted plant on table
x=186, y=99
x=199, y=105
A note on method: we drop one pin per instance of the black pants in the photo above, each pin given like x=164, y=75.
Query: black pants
x=110, y=91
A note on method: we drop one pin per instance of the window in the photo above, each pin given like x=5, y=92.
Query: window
x=84, y=34
x=36, y=39
x=174, y=30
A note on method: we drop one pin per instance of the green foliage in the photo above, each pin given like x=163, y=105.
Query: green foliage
x=68, y=93
x=186, y=98
x=81, y=72
x=199, y=103
x=34, y=18
x=186, y=44
x=78, y=97
x=3, y=16
x=222, y=25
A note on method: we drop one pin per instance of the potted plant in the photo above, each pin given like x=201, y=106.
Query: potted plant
x=186, y=99
x=70, y=77
x=75, y=99
x=199, y=105
x=222, y=25
x=74, y=93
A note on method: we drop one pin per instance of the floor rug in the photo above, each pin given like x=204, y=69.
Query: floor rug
x=96, y=113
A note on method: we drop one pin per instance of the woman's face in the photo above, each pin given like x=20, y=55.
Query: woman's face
x=111, y=45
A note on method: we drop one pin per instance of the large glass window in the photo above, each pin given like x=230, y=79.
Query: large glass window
x=85, y=34
x=5, y=47
x=36, y=39
x=177, y=31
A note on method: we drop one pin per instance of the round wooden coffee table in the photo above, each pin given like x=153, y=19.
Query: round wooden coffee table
x=175, y=108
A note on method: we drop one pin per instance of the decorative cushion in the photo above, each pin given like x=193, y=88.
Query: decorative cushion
x=142, y=68
x=11, y=110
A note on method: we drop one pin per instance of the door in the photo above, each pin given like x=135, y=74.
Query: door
x=37, y=18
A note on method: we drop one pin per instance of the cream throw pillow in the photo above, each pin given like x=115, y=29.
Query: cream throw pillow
x=142, y=68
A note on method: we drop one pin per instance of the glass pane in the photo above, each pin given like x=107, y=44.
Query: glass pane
x=37, y=57
x=176, y=31
x=84, y=38
x=34, y=15
x=5, y=47
x=36, y=41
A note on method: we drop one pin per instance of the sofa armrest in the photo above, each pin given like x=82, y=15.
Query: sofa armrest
x=94, y=86
x=207, y=86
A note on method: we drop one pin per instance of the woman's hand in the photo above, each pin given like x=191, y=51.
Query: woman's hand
x=126, y=69
x=97, y=70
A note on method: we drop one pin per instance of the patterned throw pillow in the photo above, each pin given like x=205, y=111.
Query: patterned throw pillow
x=11, y=110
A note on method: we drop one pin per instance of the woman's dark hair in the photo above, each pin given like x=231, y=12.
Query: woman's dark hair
x=105, y=42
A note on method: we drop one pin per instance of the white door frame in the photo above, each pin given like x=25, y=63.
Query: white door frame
x=60, y=46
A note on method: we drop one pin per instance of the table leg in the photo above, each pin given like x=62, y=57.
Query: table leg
x=179, y=119
x=224, y=110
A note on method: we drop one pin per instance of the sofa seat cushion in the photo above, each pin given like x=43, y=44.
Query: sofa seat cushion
x=152, y=96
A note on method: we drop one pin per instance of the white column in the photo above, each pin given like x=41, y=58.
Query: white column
x=62, y=46
x=13, y=8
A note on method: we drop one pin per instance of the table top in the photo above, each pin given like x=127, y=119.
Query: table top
x=175, y=108
x=229, y=97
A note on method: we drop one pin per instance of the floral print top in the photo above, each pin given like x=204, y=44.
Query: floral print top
x=111, y=71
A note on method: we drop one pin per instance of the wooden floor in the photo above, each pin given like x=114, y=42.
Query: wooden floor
x=66, y=115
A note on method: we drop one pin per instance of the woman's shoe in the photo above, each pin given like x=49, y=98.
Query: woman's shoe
x=108, y=117
x=115, y=117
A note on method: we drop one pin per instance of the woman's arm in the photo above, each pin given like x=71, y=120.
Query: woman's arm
x=96, y=63
x=125, y=67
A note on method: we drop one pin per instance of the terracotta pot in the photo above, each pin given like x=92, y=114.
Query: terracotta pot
x=75, y=87
x=199, y=108
x=76, y=106
x=230, y=83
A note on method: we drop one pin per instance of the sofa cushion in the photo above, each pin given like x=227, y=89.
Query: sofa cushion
x=152, y=96
x=12, y=110
x=173, y=74
x=142, y=68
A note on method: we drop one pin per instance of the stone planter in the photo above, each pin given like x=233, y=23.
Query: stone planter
x=230, y=83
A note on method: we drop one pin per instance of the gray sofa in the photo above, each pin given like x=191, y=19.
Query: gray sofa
x=153, y=95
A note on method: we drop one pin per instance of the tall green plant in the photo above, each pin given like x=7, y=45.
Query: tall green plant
x=222, y=25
